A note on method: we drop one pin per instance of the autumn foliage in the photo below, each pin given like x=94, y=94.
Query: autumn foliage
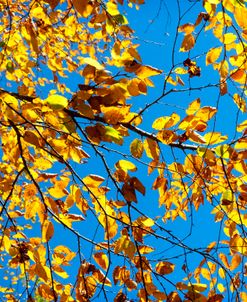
x=96, y=188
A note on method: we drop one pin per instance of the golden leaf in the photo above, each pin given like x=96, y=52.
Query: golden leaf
x=193, y=107
x=145, y=71
x=47, y=230
x=213, y=55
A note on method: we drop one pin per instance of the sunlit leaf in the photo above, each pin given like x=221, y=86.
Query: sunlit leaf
x=147, y=71
x=93, y=62
x=101, y=259
x=212, y=138
x=126, y=165
x=57, y=102
x=193, y=107
x=213, y=55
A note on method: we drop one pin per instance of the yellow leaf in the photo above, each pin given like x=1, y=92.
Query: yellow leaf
x=112, y=8
x=241, y=144
x=213, y=55
x=101, y=259
x=166, y=121
x=57, y=102
x=227, y=197
x=47, y=230
x=224, y=151
x=145, y=71
x=221, y=287
x=206, y=273
x=125, y=165
x=242, y=126
x=212, y=138
x=188, y=43
x=194, y=106
x=151, y=148
x=180, y=70
x=228, y=38
x=92, y=62
x=164, y=268
x=93, y=181
x=136, y=148
x=243, y=296
x=147, y=222
x=221, y=273
x=240, y=102
x=145, y=249
x=214, y=1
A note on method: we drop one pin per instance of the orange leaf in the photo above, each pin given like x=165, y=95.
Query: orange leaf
x=164, y=268
x=101, y=259
x=236, y=260
x=188, y=43
x=83, y=7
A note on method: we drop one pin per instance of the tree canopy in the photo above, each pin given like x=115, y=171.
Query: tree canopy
x=123, y=181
